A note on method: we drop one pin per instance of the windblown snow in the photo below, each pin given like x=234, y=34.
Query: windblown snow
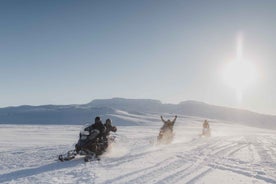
x=233, y=154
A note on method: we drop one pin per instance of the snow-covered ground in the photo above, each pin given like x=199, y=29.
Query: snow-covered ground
x=234, y=154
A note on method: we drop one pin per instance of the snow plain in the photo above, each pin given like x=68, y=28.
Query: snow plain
x=234, y=154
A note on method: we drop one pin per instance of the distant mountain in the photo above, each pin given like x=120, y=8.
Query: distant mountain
x=129, y=105
x=50, y=114
x=128, y=112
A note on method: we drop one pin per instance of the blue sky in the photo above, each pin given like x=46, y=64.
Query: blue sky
x=64, y=52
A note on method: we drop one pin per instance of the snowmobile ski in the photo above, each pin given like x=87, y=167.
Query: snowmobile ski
x=68, y=156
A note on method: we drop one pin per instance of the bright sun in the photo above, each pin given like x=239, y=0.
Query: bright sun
x=239, y=74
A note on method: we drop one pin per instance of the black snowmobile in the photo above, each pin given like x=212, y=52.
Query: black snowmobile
x=89, y=145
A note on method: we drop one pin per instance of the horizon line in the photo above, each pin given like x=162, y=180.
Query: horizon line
x=236, y=108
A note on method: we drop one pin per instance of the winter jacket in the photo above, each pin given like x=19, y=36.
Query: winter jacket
x=99, y=126
x=168, y=124
x=109, y=128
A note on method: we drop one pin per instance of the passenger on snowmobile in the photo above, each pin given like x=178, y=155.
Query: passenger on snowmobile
x=166, y=132
x=206, y=129
x=109, y=128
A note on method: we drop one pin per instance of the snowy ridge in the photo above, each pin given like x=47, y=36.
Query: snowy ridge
x=234, y=154
x=129, y=112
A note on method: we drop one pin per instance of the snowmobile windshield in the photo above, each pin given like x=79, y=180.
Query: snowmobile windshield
x=86, y=125
x=83, y=132
x=88, y=134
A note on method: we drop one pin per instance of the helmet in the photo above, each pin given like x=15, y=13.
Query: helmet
x=108, y=121
x=97, y=119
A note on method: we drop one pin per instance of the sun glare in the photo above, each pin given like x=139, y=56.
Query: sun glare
x=239, y=74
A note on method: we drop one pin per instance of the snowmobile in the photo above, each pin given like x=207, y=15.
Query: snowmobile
x=206, y=132
x=165, y=136
x=88, y=145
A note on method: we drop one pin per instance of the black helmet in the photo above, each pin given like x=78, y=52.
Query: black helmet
x=97, y=119
x=108, y=121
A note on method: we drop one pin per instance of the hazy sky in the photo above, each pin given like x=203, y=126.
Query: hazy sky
x=64, y=52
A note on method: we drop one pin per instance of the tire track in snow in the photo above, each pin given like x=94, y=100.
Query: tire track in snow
x=202, y=155
x=211, y=157
x=268, y=145
x=200, y=175
x=243, y=172
x=262, y=151
x=258, y=171
x=146, y=174
x=197, y=162
x=115, y=162
x=162, y=168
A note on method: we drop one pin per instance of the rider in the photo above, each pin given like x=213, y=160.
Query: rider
x=86, y=139
x=98, y=125
x=168, y=124
x=166, y=131
x=206, y=128
x=109, y=127
x=206, y=124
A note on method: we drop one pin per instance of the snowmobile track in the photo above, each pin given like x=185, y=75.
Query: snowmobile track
x=245, y=157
